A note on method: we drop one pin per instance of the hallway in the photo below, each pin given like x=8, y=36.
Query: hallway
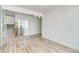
x=30, y=31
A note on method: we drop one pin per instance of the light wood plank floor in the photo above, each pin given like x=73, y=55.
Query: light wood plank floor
x=36, y=45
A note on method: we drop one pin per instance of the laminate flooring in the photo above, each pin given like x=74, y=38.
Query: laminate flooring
x=35, y=45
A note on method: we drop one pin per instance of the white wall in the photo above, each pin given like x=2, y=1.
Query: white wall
x=33, y=24
x=0, y=26
x=9, y=20
x=62, y=25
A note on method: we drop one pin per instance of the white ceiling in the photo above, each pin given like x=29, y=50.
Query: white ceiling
x=39, y=8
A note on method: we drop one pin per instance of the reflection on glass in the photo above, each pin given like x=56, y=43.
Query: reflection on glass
x=22, y=23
